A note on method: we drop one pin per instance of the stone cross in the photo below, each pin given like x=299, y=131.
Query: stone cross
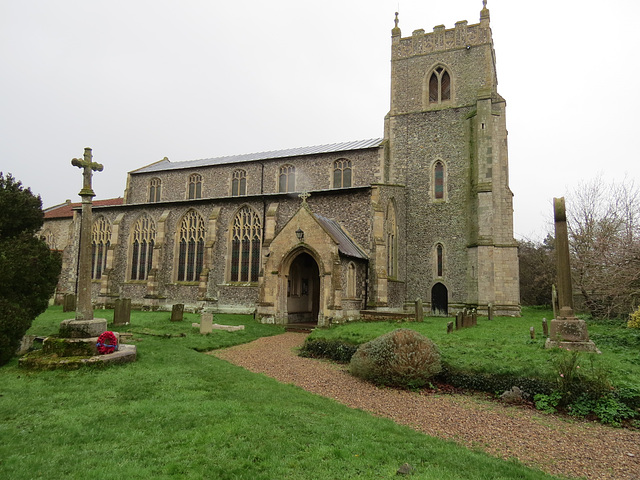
x=565, y=290
x=304, y=196
x=84, y=307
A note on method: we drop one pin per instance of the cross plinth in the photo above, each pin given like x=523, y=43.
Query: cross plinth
x=567, y=331
x=84, y=309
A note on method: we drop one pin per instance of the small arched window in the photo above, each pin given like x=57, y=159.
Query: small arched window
x=439, y=260
x=190, y=247
x=351, y=280
x=155, y=187
x=438, y=180
x=239, y=183
x=439, y=86
x=195, y=186
x=342, y=173
x=143, y=239
x=287, y=179
x=100, y=241
x=246, y=236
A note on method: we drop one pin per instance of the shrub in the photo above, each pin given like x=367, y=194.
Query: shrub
x=634, y=319
x=336, y=350
x=401, y=358
x=15, y=321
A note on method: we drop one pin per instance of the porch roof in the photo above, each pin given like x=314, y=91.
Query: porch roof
x=346, y=245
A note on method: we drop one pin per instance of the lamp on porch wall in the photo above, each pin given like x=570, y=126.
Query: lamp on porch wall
x=300, y=235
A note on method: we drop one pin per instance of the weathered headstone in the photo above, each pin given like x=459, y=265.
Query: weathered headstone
x=419, y=310
x=459, y=317
x=206, y=323
x=122, y=311
x=532, y=333
x=567, y=331
x=545, y=328
x=69, y=302
x=177, y=312
x=490, y=311
x=449, y=327
x=474, y=317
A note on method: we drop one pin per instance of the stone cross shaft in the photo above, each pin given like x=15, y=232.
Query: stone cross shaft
x=565, y=290
x=84, y=307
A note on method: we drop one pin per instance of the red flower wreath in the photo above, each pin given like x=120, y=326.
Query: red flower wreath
x=107, y=343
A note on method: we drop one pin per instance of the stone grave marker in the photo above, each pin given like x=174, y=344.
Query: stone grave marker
x=122, y=312
x=69, y=302
x=490, y=311
x=177, y=312
x=206, y=323
x=449, y=327
x=545, y=328
x=459, y=317
x=419, y=310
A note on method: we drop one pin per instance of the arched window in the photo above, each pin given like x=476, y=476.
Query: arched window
x=342, y=173
x=48, y=238
x=287, y=179
x=143, y=238
x=392, y=241
x=439, y=260
x=351, y=280
x=155, y=186
x=246, y=236
x=100, y=240
x=439, y=86
x=195, y=186
x=438, y=180
x=239, y=183
x=191, y=247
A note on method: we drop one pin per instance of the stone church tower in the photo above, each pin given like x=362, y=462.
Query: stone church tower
x=447, y=144
x=328, y=233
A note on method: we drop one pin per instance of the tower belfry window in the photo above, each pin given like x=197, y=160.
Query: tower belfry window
x=439, y=86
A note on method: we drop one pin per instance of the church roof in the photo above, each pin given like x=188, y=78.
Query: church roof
x=346, y=245
x=166, y=164
x=65, y=210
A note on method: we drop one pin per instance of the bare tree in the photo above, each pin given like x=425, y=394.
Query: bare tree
x=604, y=236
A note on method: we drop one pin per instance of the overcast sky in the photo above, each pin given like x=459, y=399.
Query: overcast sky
x=187, y=79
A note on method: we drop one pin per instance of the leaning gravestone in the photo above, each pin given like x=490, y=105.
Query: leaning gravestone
x=177, y=312
x=566, y=330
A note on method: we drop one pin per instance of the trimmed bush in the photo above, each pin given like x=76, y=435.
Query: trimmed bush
x=401, y=358
x=335, y=350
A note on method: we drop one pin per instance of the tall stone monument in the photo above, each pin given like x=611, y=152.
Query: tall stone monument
x=84, y=324
x=567, y=331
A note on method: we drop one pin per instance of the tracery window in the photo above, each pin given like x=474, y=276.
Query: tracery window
x=392, y=241
x=439, y=260
x=438, y=180
x=190, y=247
x=155, y=187
x=351, y=280
x=287, y=179
x=49, y=239
x=439, y=86
x=342, y=173
x=246, y=237
x=195, y=186
x=100, y=240
x=143, y=239
x=239, y=183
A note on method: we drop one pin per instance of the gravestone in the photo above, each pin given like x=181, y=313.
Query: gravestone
x=545, y=328
x=449, y=327
x=459, y=317
x=206, y=323
x=532, y=333
x=419, y=310
x=69, y=302
x=122, y=311
x=177, y=312
x=567, y=331
x=490, y=311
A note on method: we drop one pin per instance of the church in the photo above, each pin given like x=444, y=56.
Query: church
x=330, y=233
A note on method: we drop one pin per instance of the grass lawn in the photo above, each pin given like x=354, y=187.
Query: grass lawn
x=177, y=413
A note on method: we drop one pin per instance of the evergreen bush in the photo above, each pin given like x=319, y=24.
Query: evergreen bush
x=401, y=358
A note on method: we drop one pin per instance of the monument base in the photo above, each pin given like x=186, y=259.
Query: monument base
x=588, y=346
x=82, y=328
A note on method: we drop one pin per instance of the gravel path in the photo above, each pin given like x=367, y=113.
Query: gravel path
x=555, y=445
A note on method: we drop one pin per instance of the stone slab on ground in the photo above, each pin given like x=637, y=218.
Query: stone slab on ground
x=40, y=361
